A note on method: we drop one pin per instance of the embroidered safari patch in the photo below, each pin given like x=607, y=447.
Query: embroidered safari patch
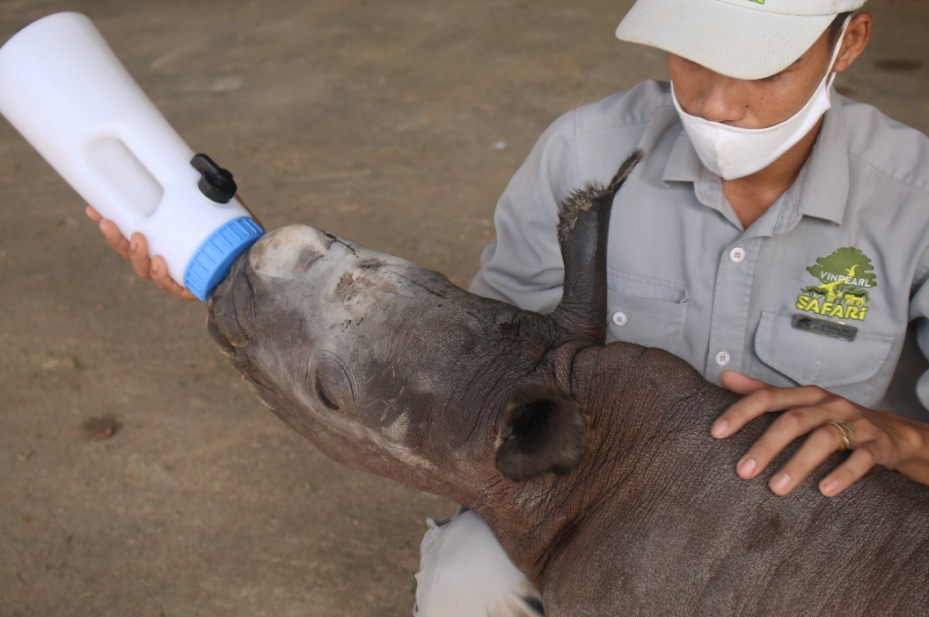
x=846, y=277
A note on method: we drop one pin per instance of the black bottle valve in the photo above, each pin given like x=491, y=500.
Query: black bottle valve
x=215, y=182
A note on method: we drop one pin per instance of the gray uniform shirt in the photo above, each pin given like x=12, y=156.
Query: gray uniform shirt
x=848, y=244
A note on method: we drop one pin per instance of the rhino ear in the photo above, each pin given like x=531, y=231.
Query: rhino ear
x=542, y=431
x=583, y=227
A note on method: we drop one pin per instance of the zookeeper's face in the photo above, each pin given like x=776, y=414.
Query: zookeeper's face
x=756, y=103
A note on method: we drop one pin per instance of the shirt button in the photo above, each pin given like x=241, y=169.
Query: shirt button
x=723, y=358
x=620, y=318
x=737, y=255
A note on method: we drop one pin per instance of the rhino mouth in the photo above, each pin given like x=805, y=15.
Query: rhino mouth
x=226, y=306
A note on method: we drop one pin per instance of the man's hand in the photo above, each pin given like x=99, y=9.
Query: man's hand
x=878, y=437
x=136, y=251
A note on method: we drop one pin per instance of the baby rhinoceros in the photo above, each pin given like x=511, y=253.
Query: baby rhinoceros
x=592, y=463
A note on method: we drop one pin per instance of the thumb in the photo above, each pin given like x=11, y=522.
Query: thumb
x=739, y=383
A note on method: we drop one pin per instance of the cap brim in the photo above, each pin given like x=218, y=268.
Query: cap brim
x=740, y=42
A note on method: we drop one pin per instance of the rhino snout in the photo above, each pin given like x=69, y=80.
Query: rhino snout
x=289, y=251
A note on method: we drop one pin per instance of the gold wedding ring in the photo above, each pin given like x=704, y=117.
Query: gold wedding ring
x=846, y=433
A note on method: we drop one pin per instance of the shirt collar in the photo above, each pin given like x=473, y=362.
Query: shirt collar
x=825, y=190
x=683, y=163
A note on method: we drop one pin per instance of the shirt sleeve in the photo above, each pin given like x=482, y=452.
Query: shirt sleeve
x=919, y=319
x=908, y=391
x=524, y=265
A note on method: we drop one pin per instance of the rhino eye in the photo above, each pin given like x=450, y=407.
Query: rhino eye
x=322, y=392
x=330, y=383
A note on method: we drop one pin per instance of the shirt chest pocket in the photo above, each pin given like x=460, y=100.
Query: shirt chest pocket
x=648, y=315
x=846, y=368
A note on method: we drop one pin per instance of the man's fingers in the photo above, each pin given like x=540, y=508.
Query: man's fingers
x=782, y=432
x=818, y=446
x=138, y=256
x=136, y=251
x=114, y=238
x=862, y=459
x=762, y=401
x=739, y=383
x=159, y=271
x=806, y=410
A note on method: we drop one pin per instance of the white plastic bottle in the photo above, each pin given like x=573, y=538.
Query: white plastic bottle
x=63, y=88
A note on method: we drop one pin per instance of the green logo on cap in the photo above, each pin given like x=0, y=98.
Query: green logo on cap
x=757, y=1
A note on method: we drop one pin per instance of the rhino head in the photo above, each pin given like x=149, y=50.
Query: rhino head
x=389, y=367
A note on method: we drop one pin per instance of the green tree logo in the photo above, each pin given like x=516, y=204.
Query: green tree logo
x=846, y=278
x=847, y=261
x=846, y=275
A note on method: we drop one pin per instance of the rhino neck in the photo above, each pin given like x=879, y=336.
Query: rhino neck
x=635, y=399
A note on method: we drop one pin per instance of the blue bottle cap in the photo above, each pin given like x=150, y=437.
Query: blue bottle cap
x=212, y=261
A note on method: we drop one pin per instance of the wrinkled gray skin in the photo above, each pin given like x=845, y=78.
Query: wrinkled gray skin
x=390, y=368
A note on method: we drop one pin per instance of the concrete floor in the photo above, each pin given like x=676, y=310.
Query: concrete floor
x=395, y=124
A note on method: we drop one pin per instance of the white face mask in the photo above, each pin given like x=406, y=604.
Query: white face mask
x=731, y=152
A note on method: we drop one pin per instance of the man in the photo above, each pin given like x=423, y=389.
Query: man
x=774, y=237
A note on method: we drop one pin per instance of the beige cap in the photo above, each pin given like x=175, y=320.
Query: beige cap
x=744, y=39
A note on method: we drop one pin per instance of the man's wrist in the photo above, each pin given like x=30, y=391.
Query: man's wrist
x=912, y=437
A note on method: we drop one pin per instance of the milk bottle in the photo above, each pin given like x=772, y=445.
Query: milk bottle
x=64, y=90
